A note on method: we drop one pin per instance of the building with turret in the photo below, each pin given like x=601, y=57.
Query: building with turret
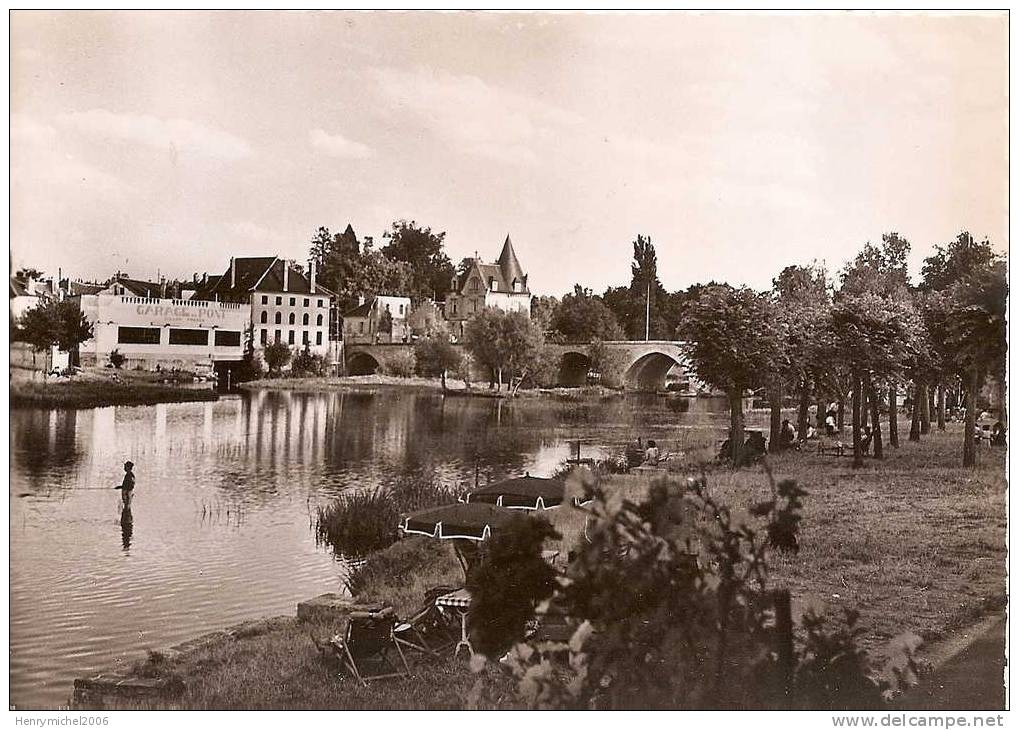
x=502, y=284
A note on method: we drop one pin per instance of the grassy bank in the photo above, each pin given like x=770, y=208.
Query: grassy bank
x=915, y=543
x=97, y=393
x=453, y=386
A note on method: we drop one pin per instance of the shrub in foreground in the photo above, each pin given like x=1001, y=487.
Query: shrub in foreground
x=671, y=608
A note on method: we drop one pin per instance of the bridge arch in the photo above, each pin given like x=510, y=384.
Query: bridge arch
x=362, y=363
x=573, y=368
x=648, y=371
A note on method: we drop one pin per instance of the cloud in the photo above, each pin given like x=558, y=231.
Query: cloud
x=182, y=135
x=40, y=163
x=336, y=145
x=476, y=117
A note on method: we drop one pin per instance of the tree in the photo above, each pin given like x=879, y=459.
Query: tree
x=646, y=293
x=608, y=363
x=803, y=298
x=430, y=267
x=116, y=359
x=507, y=343
x=582, y=317
x=977, y=334
x=873, y=336
x=276, y=355
x=543, y=311
x=435, y=355
x=54, y=323
x=353, y=269
x=733, y=345
x=954, y=261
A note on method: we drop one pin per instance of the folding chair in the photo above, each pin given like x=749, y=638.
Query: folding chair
x=426, y=629
x=368, y=639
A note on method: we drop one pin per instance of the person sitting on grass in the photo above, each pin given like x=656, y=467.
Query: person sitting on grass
x=652, y=453
x=868, y=436
x=786, y=436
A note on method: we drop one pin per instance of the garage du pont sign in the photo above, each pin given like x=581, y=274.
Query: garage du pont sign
x=184, y=312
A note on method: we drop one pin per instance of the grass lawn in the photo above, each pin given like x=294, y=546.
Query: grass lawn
x=914, y=542
x=95, y=393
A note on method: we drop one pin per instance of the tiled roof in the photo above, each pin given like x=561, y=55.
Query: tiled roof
x=18, y=289
x=147, y=289
x=361, y=310
x=503, y=272
x=262, y=273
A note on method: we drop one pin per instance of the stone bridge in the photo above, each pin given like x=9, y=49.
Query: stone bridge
x=645, y=363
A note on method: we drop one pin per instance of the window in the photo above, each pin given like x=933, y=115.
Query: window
x=138, y=335
x=227, y=338
x=474, y=284
x=265, y=299
x=290, y=337
x=292, y=318
x=318, y=320
x=307, y=302
x=189, y=337
x=306, y=319
x=318, y=338
x=360, y=327
x=279, y=301
x=321, y=302
x=264, y=336
x=265, y=317
x=293, y=301
x=493, y=284
x=277, y=338
x=304, y=338
x=279, y=318
x=401, y=310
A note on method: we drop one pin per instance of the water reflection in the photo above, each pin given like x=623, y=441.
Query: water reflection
x=126, y=528
x=226, y=492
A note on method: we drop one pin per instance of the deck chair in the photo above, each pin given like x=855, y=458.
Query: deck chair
x=426, y=630
x=368, y=641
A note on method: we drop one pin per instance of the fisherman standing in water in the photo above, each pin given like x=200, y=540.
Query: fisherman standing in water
x=127, y=486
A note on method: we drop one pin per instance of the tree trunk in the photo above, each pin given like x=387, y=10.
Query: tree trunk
x=1002, y=401
x=857, y=407
x=893, y=415
x=840, y=415
x=875, y=417
x=864, y=412
x=498, y=388
x=925, y=410
x=969, y=448
x=775, y=401
x=822, y=409
x=803, y=416
x=914, y=424
x=443, y=380
x=941, y=406
x=736, y=426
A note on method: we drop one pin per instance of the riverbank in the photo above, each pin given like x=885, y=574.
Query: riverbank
x=454, y=387
x=96, y=393
x=915, y=543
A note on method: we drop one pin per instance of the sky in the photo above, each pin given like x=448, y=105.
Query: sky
x=168, y=142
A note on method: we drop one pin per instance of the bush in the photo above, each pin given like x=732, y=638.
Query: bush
x=400, y=365
x=305, y=363
x=609, y=364
x=117, y=359
x=671, y=610
x=511, y=579
x=277, y=355
x=250, y=368
x=435, y=356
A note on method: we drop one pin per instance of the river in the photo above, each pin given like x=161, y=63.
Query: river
x=222, y=522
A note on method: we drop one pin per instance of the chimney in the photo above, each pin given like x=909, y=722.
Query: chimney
x=162, y=287
x=233, y=272
x=205, y=278
x=311, y=275
x=286, y=275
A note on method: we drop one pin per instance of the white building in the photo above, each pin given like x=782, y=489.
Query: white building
x=502, y=285
x=283, y=304
x=365, y=323
x=166, y=332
